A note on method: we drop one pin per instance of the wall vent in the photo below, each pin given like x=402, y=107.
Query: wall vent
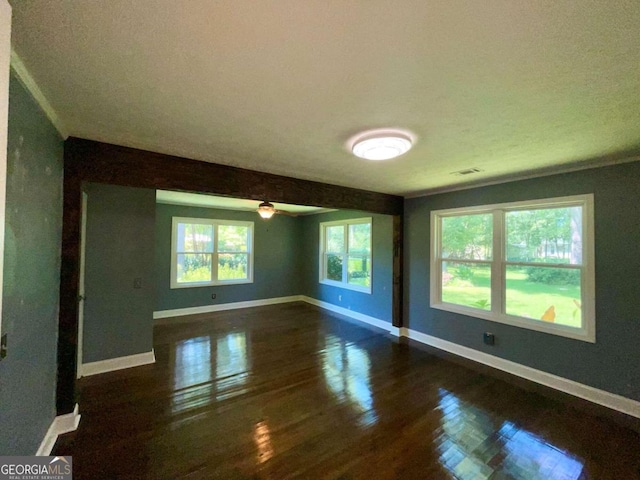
x=468, y=171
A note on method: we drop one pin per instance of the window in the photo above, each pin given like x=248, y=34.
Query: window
x=345, y=254
x=528, y=264
x=211, y=252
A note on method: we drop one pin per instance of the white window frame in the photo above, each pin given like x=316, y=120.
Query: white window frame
x=499, y=264
x=345, y=252
x=214, y=254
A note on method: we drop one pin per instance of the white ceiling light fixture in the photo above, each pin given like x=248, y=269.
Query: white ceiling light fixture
x=381, y=143
x=266, y=210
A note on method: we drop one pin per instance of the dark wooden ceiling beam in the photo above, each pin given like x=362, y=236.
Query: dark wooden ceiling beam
x=106, y=163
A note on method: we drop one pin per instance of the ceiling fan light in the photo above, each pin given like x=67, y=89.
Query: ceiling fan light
x=266, y=210
x=381, y=144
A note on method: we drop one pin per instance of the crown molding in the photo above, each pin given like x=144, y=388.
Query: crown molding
x=27, y=80
x=606, y=161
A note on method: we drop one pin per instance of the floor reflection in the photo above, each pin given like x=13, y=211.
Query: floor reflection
x=191, y=374
x=346, y=369
x=194, y=385
x=262, y=439
x=192, y=362
x=472, y=447
x=232, y=365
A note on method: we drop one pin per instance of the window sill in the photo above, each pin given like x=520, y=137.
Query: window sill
x=582, y=334
x=347, y=286
x=209, y=284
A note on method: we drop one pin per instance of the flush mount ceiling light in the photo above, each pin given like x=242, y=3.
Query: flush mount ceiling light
x=381, y=143
x=266, y=210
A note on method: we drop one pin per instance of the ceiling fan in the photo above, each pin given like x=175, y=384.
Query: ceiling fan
x=266, y=210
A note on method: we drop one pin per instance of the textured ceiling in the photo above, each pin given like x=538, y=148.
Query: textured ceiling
x=278, y=86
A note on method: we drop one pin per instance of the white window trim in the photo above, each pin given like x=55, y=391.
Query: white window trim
x=214, y=255
x=322, y=265
x=586, y=333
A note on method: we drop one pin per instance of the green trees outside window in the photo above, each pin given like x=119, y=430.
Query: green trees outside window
x=516, y=260
x=209, y=252
x=346, y=253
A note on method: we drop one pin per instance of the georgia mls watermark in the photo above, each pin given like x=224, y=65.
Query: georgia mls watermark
x=36, y=468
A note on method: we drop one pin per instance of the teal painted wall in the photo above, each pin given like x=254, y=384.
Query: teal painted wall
x=31, y=275
x=120, y=239
x=276, y=257
x=613, y=362
x=378, y=304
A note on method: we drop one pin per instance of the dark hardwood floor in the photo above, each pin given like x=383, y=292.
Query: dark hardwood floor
x=291, y=391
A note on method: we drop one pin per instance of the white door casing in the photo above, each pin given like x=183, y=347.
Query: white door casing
x=81, y=295
x=5, y=65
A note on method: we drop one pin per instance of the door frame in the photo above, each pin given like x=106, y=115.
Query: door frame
x=5, y=67
x=81, y=291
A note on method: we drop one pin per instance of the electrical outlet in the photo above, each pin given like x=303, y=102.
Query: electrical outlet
x=137, y=282
x=213, y=296
x=489, y=338
x=3, y=346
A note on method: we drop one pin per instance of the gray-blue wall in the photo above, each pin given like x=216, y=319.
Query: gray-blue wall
x=31, y=275
x=118, y=318
x=613, y=362
x=378, y=304
x=276, y=257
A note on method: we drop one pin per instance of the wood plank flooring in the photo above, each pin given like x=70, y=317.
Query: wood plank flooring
x=292, y=391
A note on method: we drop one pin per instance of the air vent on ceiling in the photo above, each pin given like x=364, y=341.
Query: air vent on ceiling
x=468, y=171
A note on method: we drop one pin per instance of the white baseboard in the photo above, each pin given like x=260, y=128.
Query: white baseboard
x=595, y=395
x=104, y=366
x=179, y=312
x=60, y=425
x=376, y=322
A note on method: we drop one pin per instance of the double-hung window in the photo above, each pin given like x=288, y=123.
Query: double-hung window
x=345, y=254
x=529, y=264
x=211, y=252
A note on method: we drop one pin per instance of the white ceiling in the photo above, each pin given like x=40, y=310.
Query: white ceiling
x=228, y=203
x=508, y=87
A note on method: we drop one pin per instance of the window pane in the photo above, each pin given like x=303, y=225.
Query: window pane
x=232, y=238
x=194, y=237
x=467, y=236
x=545, y=293
x=194, y=267
x=232, y=266
x=551, y=235
x=467, y=284
x=334, y=267
x=360, y=238
x=335, y=238
x=359, y=270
